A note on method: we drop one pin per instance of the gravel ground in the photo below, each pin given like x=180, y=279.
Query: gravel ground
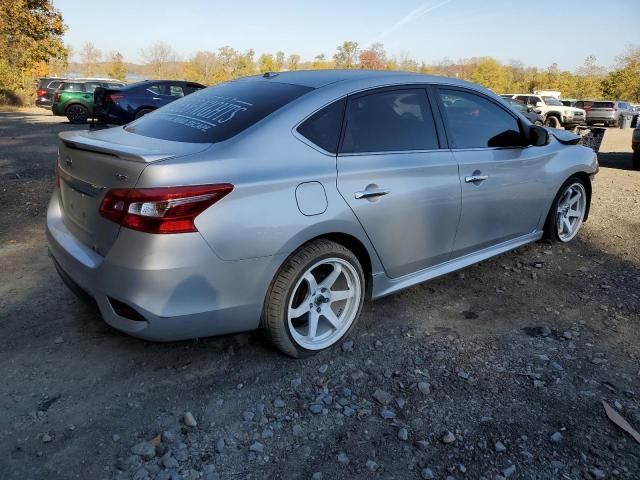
x=492, y=372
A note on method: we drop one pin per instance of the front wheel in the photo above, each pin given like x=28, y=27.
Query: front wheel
x=567, y=211
x=77, y=114
x=315, y=299
x=552, y=122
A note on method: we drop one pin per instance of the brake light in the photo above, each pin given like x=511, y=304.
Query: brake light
x=56, y=97
x=161, y=210
x=41, y=92
x=113, y=97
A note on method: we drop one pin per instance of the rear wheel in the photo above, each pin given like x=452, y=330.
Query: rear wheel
x=314, y=300
x=567, y=211
x=143, y=112
x=553, y=122
x=77, y=113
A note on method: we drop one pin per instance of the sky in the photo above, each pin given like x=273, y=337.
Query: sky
x=537, y=33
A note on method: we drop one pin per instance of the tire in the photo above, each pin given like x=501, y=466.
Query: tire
x=143, y=112
x=635, y=161
x=77, y=114
x=552, y=122
x=561, y=210
x=293, y=298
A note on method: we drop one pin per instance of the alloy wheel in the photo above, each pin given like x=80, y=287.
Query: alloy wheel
x=570, y=212
x=324, y=303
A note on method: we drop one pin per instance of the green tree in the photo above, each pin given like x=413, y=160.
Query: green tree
x=117, y=68
x=590, y=77
x=346, y=55
x=30, y=36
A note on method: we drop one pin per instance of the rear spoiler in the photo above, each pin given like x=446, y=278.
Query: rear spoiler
x=83, y=141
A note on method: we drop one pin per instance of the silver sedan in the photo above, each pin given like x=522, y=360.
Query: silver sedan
x=282, y=201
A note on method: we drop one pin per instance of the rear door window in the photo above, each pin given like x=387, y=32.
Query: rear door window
x=477, y=122
x=72, y=87
x=323, y=127
x=217, y=113
x=389, y=121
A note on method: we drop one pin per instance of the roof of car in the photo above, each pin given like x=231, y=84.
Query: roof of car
x=320, y=78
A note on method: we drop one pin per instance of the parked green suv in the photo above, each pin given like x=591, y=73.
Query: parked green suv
x=74, y=98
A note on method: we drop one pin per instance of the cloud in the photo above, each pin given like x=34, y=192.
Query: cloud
x=415, y=14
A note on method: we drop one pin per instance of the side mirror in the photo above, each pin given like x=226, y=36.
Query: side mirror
x=538, y=136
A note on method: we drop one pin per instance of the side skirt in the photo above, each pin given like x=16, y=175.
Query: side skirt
x=383, y=285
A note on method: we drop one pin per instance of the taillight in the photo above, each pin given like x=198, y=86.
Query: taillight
x=161, y=210
x=113, y=97
x=41, y=93
x=56, y=97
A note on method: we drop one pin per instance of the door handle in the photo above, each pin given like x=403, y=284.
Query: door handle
x=476, y=177
x=371, y=193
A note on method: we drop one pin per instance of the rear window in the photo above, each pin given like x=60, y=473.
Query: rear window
x=602, y=105
x=217, y=113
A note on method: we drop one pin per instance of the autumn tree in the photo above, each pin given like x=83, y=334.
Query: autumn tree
x=346, y=55
x=117, y=68
x=489, y=73
x=90, y=57
x=373, y=58
x=266, y=63
x=279, y=61
x=590, y=77
x=624, y=82
x=293, y=61
x=30, y=36
x=158, y=58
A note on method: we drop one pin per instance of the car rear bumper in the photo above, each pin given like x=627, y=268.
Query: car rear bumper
x=176, y=284
x=573, y=121
x=43, y=103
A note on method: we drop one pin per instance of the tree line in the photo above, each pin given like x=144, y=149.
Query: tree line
x=589, y=81
x=31, y=46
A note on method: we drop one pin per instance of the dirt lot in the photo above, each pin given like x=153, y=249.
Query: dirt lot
x=495, y=371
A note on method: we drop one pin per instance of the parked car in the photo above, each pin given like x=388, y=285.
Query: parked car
x=282, y=201
x=584, y=104
x=554, y=112
x=44, y=91
x=609, y=113
x=636, y=115
x=123, y=105
x=635, y=145
x=568, y=102
x=74, y=98
x=534, y=116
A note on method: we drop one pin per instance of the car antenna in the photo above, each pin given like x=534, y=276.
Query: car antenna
x=270, y=74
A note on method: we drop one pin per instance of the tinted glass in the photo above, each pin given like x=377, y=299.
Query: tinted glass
x=217, y=113
x=323, y=127
x=476, y=122
x=391, y=121
x=602, y=105
x=54, y=85
x=518, y=106
x=523, y=99
x=91, y=86
x=72, y=87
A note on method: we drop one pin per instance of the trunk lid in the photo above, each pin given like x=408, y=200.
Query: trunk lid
x=91, y=163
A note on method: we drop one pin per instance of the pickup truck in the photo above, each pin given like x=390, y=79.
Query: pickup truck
x=554, y=112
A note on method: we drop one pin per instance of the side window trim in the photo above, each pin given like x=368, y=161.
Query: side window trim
x=483, y=96
x=390, y=88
